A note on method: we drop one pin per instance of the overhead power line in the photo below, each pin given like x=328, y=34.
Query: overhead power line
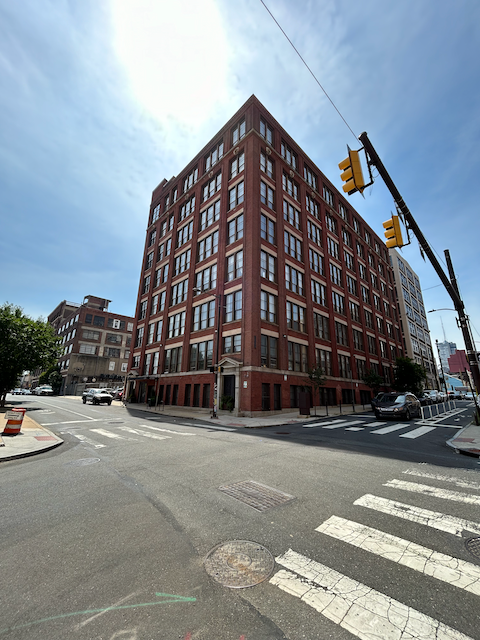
x=313, y=75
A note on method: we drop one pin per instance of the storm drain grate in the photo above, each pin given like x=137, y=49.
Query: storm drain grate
x=256, y=495
x=239, y=563
x=473, y=546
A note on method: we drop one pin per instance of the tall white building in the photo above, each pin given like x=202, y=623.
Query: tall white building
x=413, y=318
x=445, y=350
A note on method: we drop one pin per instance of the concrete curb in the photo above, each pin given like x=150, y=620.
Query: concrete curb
x=459, y=442
x=28, y=442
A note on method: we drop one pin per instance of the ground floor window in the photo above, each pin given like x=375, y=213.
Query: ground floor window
x=196, y=395
x=206, y=396
x=348, y=396
x=265, y=396
x=188, y=392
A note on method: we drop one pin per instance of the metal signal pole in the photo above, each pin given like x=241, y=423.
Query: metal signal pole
x=451, y=287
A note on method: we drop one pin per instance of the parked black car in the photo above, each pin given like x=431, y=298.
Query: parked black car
x=376, y=400
x=398, y=405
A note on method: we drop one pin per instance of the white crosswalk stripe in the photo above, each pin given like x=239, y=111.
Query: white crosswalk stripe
x=433, y=519
x=390, y=429
x=416, y=433
x=453, y=571
x=386, y=428
x=445, y=494
x=92, y=443
x=326, y=422
x=359, y=609
x=146, y=434
x=109, y=434
x=177, y=433
x=350, y=423
x=465, y=484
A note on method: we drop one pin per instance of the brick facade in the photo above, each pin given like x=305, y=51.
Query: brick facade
x=291, y=259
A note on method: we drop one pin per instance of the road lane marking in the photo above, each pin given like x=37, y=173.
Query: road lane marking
x=375, y=424
x=393, y=427
x=321, y=424
x=46, y=424
x=354, y=429
x=146, y=434
x=92, y=443
x=445, y=494
x=109, y=434
x=178, y=433
x=56, y=406
x=349, y=423
x=359, y=609
x=465, y=484
x=433, y=519
x=454, y=571
x=416, y=433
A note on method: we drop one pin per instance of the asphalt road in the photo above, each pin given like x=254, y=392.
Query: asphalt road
x=105, y=537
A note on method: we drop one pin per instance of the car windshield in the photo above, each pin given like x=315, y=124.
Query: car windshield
x=393, y=398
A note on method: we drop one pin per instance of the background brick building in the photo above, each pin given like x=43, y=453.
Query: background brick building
x=96, y=344
x=252, y=240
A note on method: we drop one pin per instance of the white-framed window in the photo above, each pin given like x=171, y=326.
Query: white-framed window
x=238, y=131
x=214, y=156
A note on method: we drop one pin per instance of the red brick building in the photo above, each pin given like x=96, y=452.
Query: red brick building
x=253, y=240
x=458, y=362
x=96, y=344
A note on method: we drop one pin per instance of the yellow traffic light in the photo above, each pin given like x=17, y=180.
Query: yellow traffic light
x=393, y=233
x=352, y=173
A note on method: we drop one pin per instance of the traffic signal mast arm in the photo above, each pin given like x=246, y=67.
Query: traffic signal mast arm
x=452, y=289
x=374, y=159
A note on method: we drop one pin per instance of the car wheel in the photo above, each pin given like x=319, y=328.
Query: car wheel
x=408, y=415
x=84, y=400
x=110, y=403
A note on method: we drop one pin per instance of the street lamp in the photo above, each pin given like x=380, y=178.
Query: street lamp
x=217, y=353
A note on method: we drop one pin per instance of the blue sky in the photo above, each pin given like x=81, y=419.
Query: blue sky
x=100, y=100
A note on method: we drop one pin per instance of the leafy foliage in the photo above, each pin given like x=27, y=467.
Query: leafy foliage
x=25, y=345
x=409, y=376
x=373, y=380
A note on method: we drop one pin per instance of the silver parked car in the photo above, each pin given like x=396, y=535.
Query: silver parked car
x=44, y=390
x=97, y=396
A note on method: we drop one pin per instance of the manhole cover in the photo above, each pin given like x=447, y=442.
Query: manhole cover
x=473, y=545
x=256, y=495
x=82, y=462
x=239, y=564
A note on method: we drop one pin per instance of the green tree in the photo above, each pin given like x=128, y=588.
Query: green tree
x=373, y=380
x=25, y=345
x=318, y=379
x=44, y=377
x=409, y=376
x=55, y=381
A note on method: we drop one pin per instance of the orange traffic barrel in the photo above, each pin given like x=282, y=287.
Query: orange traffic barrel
x=14, y=421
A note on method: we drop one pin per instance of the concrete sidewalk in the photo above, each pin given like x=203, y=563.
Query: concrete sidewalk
x=467, y=440
x=31, y=440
